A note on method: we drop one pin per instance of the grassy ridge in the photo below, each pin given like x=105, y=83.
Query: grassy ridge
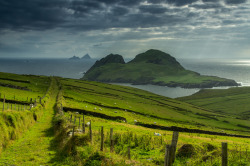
x=233, y=102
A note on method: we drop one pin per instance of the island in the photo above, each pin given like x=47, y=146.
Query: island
x=86, y=57
x=151, y=67
x=74, y=58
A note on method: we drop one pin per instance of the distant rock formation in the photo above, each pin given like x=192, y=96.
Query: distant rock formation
x=74, y=58
x=86, y=56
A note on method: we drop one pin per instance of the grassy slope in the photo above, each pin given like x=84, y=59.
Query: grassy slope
x=94, y=97
x=233, y=101
x=37, y=86
x=35, y=148
x=89, y=95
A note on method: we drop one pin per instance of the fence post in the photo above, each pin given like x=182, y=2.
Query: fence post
x=167, y=156
x=111, y=140
x=224, y=154
x=173, y=146
x=73, y=132
x=83, y=124
x=70, y=118
x=40, y=100
x=102, y=138
x=79, y=122
x=3, y=102
x=129, y=156
x=90, y=132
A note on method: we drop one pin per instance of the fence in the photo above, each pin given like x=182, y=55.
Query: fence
x=239, y=154
x=13, y=104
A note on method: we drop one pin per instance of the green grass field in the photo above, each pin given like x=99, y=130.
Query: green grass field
x=46, y=140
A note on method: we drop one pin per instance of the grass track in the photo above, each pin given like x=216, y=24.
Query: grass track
x=36, y=146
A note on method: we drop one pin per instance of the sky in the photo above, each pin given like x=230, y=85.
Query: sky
x=182, y=28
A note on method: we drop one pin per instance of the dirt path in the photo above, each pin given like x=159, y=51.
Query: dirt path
x=36, y=146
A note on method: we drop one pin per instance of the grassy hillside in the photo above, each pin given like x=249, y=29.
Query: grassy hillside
x=151, y=67
x=135, y=115
x=142, y=106
x=233, y=102
x=18, y=92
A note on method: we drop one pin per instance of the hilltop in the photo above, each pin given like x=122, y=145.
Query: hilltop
x=151, y=67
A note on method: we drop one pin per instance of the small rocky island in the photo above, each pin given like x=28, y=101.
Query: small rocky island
x=85, y=57
x=151, y=67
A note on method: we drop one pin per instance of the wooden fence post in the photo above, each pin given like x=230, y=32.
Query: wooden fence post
x=70, y=118
x=129, y=156
x=111, y=140
x=75, y=120
x=83, y=124
x=30, y=100
x=167, y=156
x=102, y=138
x=224, y=154
x=90, y=132
x=173, y=146
x=79, y=122
x=73, y=132
x=3, y=102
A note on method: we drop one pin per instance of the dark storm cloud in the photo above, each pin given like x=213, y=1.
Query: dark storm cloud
x=84, y=6
x=235, y=1
x=29, y=14
x=181, y=2
x=210, y=1
x=153, y=9
x=87, y=15
x=207, y=6
x=119, y=11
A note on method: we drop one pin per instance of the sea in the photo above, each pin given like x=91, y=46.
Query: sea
x=236, y=69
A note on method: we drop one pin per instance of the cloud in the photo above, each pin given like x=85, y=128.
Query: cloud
x=235, y=1
x=63, y=24
x=153, y=9
x=181, y=2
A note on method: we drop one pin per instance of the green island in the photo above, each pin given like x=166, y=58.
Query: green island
x=60, y=121
x=151, y=67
